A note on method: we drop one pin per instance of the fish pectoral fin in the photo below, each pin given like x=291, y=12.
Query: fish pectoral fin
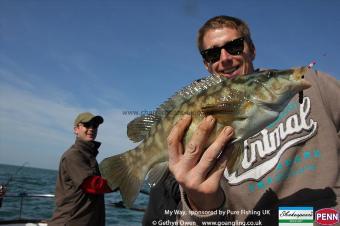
x=228, y=107
x=156, y=173
x=139, y=128
x=224, y=111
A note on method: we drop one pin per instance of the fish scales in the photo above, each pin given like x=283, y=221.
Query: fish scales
x=247, y=103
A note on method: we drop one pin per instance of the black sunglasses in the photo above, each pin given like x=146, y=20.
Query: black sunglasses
x=90, y=125
x=234, y=47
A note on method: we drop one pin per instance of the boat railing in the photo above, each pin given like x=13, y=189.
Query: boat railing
x=23, y=195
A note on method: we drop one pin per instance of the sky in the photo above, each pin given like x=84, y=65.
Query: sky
x=60, y=58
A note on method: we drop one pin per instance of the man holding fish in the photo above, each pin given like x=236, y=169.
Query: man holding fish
x=254, y=147
x=310, y=148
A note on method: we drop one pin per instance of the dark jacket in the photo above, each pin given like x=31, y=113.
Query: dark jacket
x=164, y=196
x=74, y=206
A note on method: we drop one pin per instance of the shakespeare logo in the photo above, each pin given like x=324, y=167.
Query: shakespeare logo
x=296, y=215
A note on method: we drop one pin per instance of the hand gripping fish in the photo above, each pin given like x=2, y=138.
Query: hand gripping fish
x=248, y=103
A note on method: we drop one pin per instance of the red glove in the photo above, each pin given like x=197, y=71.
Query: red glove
x=95, y=185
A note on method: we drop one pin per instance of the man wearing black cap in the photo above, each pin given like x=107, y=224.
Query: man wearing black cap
x=80, y=188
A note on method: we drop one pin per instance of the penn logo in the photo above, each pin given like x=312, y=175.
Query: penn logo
x=327, y=216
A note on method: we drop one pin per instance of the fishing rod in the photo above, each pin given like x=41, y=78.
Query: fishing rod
x=2, y=193
x=15, y=173
x=3, y=187
x=310, y=66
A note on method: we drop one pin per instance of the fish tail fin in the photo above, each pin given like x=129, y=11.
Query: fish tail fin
x=121, y=172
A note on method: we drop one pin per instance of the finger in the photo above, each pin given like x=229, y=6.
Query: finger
x=210, y=156
x=197, y=143
x=175, y=146
x=215, y=174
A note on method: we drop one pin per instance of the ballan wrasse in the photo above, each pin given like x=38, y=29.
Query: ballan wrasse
x=248, y=103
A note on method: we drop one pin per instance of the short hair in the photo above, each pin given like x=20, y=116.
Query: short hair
x=219, y=22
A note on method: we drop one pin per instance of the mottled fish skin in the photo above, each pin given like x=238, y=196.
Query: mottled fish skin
x=247, y=103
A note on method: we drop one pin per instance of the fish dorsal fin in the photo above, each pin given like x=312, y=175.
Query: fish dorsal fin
x=139, y=128
x=195, y=88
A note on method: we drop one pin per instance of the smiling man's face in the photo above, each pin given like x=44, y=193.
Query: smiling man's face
x=86, y=131
x=228, y=65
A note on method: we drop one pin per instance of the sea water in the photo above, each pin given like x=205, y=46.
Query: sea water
x=26, y=181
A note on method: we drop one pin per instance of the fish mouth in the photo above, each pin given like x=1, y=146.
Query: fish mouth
x=303, y=84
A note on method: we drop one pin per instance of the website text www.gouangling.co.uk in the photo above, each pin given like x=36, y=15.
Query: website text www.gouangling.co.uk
x=225, y=214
